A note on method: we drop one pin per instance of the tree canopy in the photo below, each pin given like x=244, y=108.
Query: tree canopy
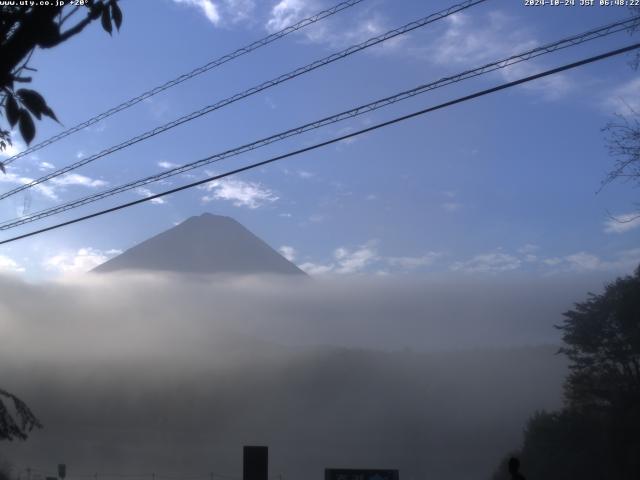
x=23, y=28
x=602, y=341
x=597, y=434
x=16, y=419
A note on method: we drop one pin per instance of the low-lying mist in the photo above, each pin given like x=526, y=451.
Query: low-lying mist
x=173, y=374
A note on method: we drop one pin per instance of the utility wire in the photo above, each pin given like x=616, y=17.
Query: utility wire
x=252, y=91
x=187, y=76
x=252, y=166
x=360, y=110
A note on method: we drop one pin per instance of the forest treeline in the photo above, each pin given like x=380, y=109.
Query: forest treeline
x=597, y=433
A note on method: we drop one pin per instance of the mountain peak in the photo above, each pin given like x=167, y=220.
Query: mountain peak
x=203, y=244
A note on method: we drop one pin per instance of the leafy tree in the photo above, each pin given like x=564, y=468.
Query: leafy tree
x=597, y=435
x=602, y=341
x=16, y=419
x=24, y=28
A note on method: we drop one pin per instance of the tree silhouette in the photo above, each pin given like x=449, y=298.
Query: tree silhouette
x=24, y=28
x=597, y=434
x=16, y=419
x=602, y=341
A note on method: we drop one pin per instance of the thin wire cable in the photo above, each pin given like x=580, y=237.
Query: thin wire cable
x=252, y=91
x=387, y=123
x=360, y=110
x=187, y=76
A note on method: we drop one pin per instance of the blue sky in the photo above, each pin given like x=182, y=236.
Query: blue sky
x=502, y=185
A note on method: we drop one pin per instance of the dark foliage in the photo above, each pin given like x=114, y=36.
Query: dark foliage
x=602, y=341
x=597, y=435
x=16, y=418
x=24, y=28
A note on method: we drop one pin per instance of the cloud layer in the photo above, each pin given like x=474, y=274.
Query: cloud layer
x=175, y=374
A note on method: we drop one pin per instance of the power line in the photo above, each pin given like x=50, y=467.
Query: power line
x=252, y=91
x=360, y=110
x=187, y=76
x=332, y=141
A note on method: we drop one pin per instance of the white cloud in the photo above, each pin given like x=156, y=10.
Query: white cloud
x=49, y=189
x=315, y=268
x=285, y=13
x=471, y=41
x=362, y=26
x=305, y=174
x=145, y=192
x=451, y=206
x=552, y=262
x=583, y=261
x=207, y=7
x=243, y=194
x=488, y=263
x=411, y=263
x=45, y=189
x=168, y=165
x=354, y=261
x=345, y=261
x=622, y=223
x=528, y=256
x=16, y=147
x=348, y=261
x=77, y=179
x=346, y=131
x=45, y=166
x=528, y=248
x=288, y=252
x=9, y=265
x=238, y=10
x=223, y=11
x=80, y=261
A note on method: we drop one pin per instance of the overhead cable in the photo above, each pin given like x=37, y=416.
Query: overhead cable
x=251, y=91
x=330, y=142
x=354, y=112
x=188, y=76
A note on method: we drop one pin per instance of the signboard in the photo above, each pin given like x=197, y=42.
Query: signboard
x=358, y=474
x=255, y=463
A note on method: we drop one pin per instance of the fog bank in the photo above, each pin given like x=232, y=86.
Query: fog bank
x=173, y=374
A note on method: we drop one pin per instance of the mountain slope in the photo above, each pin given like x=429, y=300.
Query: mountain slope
x=203, y=244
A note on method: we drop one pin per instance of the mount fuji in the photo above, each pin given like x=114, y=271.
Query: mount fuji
x=203, y=244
